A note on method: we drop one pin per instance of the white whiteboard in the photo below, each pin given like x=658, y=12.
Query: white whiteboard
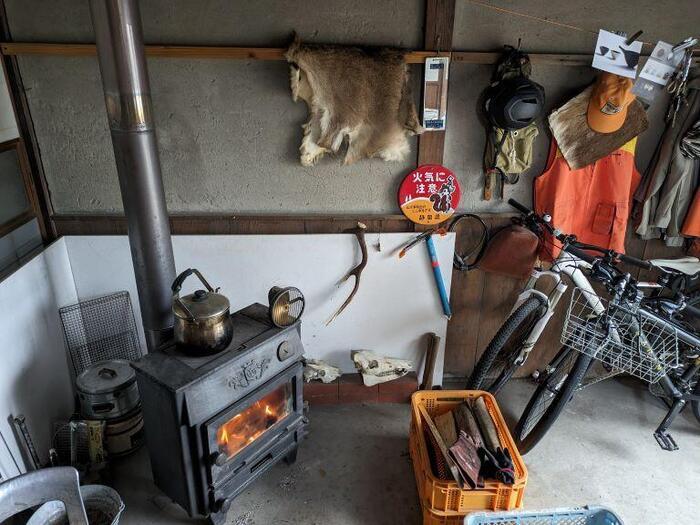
x=396, y=305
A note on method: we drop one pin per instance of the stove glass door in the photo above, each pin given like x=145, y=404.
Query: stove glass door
x=252, y=422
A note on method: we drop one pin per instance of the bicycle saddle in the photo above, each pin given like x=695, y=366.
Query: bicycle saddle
x=686, y=265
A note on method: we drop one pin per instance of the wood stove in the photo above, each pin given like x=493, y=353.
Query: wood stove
x=215, y=423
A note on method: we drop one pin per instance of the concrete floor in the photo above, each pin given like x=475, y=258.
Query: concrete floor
x=354, y=468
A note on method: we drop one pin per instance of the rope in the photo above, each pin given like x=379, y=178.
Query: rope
x=539, y=19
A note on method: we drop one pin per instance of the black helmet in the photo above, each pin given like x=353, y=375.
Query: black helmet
x=514, y=103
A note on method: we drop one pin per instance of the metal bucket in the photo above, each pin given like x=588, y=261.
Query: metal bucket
x=103, y=506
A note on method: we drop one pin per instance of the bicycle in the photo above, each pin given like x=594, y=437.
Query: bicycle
x=615, y=322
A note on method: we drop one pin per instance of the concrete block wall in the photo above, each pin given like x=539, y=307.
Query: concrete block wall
x=228, y=131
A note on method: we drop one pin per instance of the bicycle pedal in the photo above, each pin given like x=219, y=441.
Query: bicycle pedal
x=665, y=440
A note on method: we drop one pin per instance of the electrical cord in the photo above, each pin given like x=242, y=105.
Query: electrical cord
x=460, y=261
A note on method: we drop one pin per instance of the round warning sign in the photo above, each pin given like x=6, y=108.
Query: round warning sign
x=429, y=194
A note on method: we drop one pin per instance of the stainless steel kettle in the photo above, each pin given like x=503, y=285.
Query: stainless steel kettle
x=202, y=319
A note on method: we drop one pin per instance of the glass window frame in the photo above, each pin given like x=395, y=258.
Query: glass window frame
x=29, y=214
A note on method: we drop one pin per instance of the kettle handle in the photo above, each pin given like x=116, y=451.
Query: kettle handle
x=177, y=286
x=177, y=283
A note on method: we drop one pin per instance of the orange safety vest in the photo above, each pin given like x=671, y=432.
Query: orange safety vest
x=691, y=224
x=592, y=203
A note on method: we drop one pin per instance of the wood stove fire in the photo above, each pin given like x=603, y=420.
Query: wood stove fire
x=215, y=423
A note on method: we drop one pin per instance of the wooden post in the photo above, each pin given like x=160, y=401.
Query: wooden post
x=439, y=23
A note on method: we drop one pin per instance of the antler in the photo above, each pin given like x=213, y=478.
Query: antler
x=356, y=272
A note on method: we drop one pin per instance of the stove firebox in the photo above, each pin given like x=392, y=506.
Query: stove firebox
x=215, y=423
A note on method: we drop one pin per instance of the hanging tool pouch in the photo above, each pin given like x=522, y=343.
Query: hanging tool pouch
x=512, y=155
x=510, y=251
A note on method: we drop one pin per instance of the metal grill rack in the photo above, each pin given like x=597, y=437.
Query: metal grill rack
x=100, y=329
x=620, y=336
x=71, y=441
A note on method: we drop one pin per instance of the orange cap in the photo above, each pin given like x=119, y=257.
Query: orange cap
x=610, y=98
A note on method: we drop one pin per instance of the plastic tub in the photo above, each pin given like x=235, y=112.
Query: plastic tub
x=568, y=516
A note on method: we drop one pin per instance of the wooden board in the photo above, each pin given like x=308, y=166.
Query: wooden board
x=439, y=24
x=467, y=290
x=277, y=53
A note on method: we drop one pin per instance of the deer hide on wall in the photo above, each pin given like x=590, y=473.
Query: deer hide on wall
x=579, y=144
x=354, y=95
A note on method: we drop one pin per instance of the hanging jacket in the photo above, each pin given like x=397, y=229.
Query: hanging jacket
x=667, y=188
x=592, y=202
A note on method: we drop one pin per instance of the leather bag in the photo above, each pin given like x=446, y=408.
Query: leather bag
x=512, y=251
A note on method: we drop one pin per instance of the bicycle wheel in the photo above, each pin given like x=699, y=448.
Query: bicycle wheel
x=565, y=373
x=496, y=365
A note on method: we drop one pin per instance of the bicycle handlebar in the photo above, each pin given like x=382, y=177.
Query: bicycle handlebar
x=639, y=263
x=519, y=207
x=692, y=310
x=577, y=248
x=573, y=250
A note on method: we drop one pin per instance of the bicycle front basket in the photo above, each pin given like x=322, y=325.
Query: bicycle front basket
x=620, y=336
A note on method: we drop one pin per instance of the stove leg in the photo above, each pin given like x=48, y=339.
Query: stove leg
x=217, y=518
x=291, y=456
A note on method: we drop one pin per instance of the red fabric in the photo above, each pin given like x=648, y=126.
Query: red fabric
x=592, y=203
x=691, y=225
x=694, y=248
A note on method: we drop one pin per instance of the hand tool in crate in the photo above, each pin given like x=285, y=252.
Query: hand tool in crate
x=496, y=461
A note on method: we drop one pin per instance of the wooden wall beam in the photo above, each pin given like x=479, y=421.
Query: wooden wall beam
x=235, y=224
x=213, y=224
x=439, y=24
x=277, y=53
x=168, y=51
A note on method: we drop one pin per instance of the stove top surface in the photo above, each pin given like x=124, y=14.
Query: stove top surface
x=175, y=368
x=248, y=324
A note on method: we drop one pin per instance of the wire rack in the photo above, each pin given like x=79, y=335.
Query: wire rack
x=71, y=441
x=620, y=336
x=100, y=329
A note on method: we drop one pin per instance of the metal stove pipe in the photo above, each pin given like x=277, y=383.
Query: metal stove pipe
x=120, y=51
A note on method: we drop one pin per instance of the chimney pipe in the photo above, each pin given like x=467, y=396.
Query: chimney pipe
x=120, y=51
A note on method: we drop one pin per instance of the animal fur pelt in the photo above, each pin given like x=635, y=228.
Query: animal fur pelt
x=582, y=146
x=358, y=95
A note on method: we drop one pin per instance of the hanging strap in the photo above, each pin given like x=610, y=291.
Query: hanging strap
x=460, y=260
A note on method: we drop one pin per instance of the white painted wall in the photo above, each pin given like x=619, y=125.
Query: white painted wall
x=34, y=376
x=396, y=305
x=18, y=244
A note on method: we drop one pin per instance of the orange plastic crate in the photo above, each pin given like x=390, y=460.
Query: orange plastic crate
x=444, y=498
x=430, y=518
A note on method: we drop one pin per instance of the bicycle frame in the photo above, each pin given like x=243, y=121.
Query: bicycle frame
x=570, y=266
